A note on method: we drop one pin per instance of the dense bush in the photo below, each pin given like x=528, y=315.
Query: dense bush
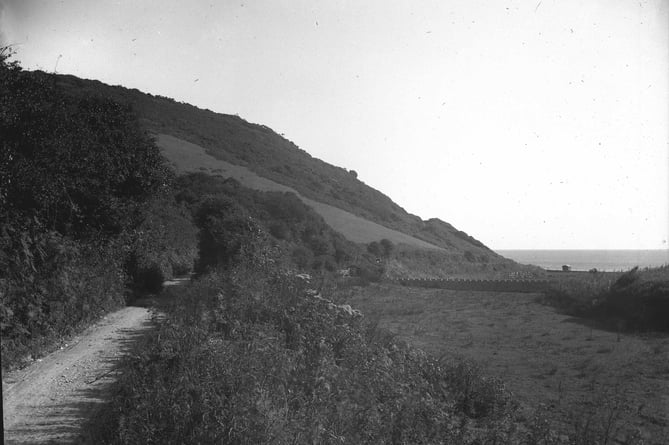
x=635, y=300
x=164, y=244
x=79, y=165
x=78, y=177
x=250, y=357
x=51, y=286
x=224, y=228
x=227, y=214
x=640, y=304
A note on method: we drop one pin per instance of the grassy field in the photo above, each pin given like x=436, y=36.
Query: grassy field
x=584, y=379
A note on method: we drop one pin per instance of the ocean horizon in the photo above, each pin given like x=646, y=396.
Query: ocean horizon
x=604, y=260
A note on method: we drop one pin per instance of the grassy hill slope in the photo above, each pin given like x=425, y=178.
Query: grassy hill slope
x=277, y=162
x=188, y=158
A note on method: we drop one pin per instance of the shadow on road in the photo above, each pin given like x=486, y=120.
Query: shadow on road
x=69, y=411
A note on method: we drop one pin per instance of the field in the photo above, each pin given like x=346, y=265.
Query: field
x=582, y=378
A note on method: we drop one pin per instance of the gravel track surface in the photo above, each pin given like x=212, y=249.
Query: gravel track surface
x=51, y=400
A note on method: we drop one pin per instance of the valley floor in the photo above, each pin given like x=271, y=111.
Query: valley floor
x=579, y=376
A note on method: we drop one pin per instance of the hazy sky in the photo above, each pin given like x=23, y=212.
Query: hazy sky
x=528, y=124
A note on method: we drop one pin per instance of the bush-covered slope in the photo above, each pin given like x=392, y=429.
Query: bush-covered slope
x=228, y=215
x=187, y=158
x=266, y=153
x=251, y=357
x=85, y=211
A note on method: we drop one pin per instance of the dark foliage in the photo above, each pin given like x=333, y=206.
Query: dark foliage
x=164, y=244
x=643, y=305
x=387, y=247
x=51, y=286
x=249, y=357
x=375, y=248
x=224, y=228
x=227, y=214
x=78, y=179
x=636, y=300
x=79, y=165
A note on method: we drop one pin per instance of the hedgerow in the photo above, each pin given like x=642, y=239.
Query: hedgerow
x=639, y=298
x=636, y=300
x=85, y=211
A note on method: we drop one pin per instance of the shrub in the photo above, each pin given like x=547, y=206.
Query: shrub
x=164, y=244
x=387, y=247
x=375, y=248
x=51, y=286
x=224, y=227
x=79, y=165
x=643, y=305
x=302, y=257
x=248, y=357
x=637, y=299
x=75, y=175
x=291, y=223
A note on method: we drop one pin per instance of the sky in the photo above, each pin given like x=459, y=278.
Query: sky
x=538, y=124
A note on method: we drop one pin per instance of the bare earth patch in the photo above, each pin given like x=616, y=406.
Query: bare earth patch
x=51, y=400
x=579, y=376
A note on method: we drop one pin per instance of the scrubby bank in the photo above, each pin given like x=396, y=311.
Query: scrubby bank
x=86, y=211
x=249, y=355
x=637, y=300
x=228, y=215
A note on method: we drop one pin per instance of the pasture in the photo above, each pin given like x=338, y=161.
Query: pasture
x=580, y=377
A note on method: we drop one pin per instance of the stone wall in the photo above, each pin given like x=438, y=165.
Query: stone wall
x=479, y=285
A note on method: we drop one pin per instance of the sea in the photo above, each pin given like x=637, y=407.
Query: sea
x=604, y=260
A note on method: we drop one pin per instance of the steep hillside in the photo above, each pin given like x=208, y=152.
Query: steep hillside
x=187, y=158
x=362, y=213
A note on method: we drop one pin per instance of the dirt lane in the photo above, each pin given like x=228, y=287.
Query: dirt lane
x=50, y=400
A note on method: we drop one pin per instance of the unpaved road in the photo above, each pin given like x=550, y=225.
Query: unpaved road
x=51, y=400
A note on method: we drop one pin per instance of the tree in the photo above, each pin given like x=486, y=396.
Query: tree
x=387, y=247
x=224, y=228
x=375, y=248
x=80, y=165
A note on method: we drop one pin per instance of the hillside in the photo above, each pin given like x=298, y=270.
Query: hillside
x=201, y=140
x=189, y=158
